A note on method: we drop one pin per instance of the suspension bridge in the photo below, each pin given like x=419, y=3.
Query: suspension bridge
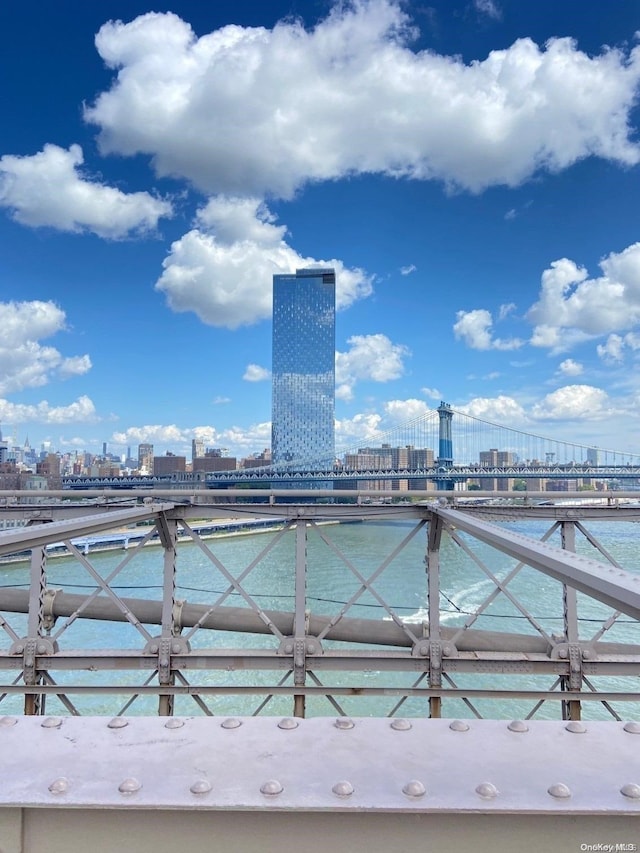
x=443, y=447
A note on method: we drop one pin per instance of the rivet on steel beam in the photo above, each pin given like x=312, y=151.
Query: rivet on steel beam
x=344, y=723
x=487, y=790
x=118, y=723
x=288, y=723
x=176, y=648
x=202, y=786
x=576, y=727
x=271, y=788
x=459, y=726
x=7, y=722
x=153, y=648
x=563, y=653
x=41, y=649
x=518, y=726
x=51, y=723
x=174, y=723
x=632, y=727
x=343, y=788
x=631, y=790
x=59, y=786
x=401, y=725
x=559, y=790
x=414, y=788
x=288, y=648
x=129, y=786
x=231, y=723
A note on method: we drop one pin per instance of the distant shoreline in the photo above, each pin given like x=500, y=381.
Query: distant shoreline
x=123, y=539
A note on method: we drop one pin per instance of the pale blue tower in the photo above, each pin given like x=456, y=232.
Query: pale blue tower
x=303, y=369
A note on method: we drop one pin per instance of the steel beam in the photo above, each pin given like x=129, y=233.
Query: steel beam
x=25, y=538
x=612, y=586
x=320, y=764
x=348, y=629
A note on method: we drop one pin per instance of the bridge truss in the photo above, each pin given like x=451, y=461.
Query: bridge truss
x=212, y=647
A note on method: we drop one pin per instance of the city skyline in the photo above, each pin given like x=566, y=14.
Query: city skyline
x=468, y=168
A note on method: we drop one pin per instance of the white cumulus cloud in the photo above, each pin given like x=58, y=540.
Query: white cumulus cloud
x=257, y=111
x=501, y=409
x=360, y=428
x=152, y=434
x=256, y=373
x=369, y=357
x=81, y=410
x=573, y=402
x=432, y=393
x=223, y=270
x=236, y=440
x=48, y=189
x=475, y=329
x=614, y=349
x=572, y=307
x=403, y=411
x=24, y=361
x=569, y=367
x=489, y=8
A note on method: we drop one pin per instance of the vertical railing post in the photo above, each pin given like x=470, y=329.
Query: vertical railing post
x=34, y=703
x=169, y=539
x=300, y=618
x=571, y=710
x=433, y=604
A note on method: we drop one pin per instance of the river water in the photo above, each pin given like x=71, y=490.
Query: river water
x=334, y=554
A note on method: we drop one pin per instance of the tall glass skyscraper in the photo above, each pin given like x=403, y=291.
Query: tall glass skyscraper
x=303, y=369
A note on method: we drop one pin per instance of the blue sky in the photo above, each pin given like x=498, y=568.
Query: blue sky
x=470, y=167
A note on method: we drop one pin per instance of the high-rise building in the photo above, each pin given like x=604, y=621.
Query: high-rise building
x=145, y=458
x=303, y=369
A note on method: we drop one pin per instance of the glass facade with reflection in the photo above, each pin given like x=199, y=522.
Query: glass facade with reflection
x=303, y=369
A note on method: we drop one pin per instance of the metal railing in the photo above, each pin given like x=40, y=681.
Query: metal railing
x=300, y=624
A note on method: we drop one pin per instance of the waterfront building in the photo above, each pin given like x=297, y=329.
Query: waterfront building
x=495, y=458
x=169, y=464
x=257, y=460
x=387, y=457
x=214, y=462
x=593, y=456
x=145, y=458
x=4, y=449
x=49, y=468
x=303, y=369
x=197, y=448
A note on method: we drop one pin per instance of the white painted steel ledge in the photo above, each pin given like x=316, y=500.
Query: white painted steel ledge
x=321, y=764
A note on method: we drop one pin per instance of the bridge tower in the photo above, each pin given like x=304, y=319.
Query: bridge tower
x=445, y=444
